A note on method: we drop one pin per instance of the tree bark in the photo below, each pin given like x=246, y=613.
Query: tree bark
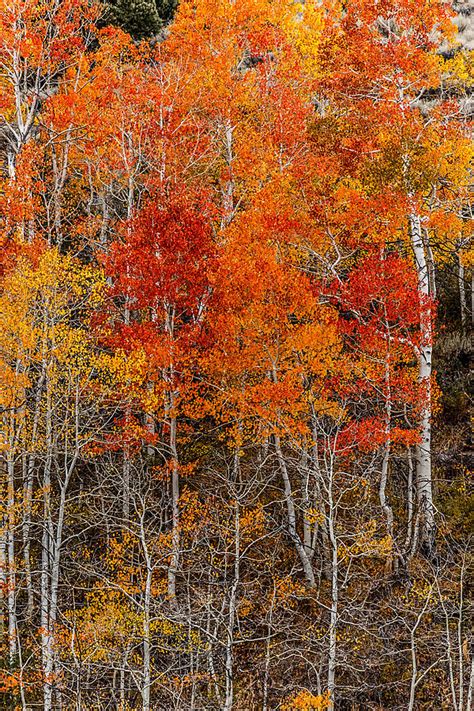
x=229, y=662
x=332, y=655
x=290, y=506
x=423, y=449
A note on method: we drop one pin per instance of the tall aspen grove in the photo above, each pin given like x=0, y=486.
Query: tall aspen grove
x=236, y=306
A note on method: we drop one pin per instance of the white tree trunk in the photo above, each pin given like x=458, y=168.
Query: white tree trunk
x=423, y=449
x=228, y=191
x=173, y=567
x=290, y=506
x=146, y=624
x=172, y=423
x=46, y=554
x=229, y=662
x=11, y=578
x=384, y=502
x=462, y=294
x=470, y=690
x=332, y=657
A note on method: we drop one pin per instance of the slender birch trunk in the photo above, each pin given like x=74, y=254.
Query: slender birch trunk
x=462, y=294
x=290, y=507
x=410, y=504
x=52, y=541
x=175, y=537
x=228, y=191
x=3, y=572
x=46, y=556
x=384, y=502
x=423, y=449
x=266, y=675
x=126, y=465
x=332, y=656
x=146, y=687
x=172, y=423
x=229, y=660
x=308, y=532
x=327, y=552
x=415, y=679
x=470, y=689
x=11, y=578
x=28, y=485
x=472, y=297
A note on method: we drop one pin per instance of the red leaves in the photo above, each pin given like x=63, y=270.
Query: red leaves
x=381, y=292
x=164, y=258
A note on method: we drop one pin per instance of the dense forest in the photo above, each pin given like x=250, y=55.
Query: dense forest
x=235, y=319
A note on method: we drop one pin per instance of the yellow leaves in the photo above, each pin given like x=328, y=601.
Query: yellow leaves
x=368, y=543
x=44, y=293
x=314, y=516
x=288, y=591
x=252, y=522
x=304, y=30
x=194, y=514
x=103, y=625
x=127, y=369
x=460, y=68
x=420, y=592
x=328, y=408
x=467, y=256
x=306, y=701
x=47, y=346
x=245, y=607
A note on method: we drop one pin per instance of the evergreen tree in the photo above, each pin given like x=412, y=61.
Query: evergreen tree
x=140, y=18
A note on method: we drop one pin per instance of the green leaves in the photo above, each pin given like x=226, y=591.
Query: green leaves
x=140, y=18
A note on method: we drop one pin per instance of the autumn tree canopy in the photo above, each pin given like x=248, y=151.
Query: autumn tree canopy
x=234, y=352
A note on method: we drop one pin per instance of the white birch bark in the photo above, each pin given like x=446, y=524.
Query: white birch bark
x=290, y=507
x=146, y=686
x=384, y=503
x=415, y=678
x=170, y=416
x=410, y=504
x=332, y=652
x=470, y=690
x=266, y=676
x=226, y=131
x=46, y=552
x=462, y=294
x=229, y=660
x=11, y=578
x=423, y=449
